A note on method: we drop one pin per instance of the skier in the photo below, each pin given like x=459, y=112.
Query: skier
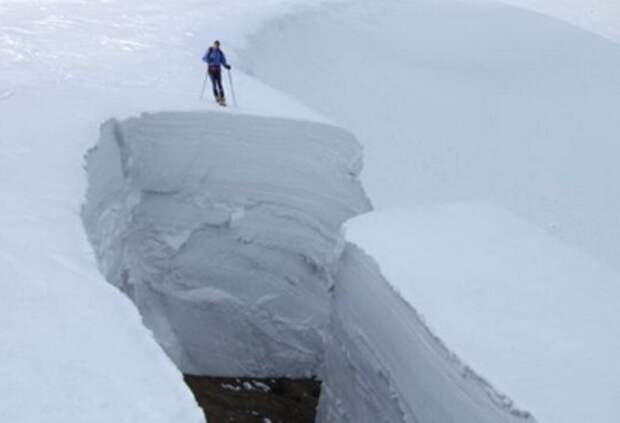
x=215, y=59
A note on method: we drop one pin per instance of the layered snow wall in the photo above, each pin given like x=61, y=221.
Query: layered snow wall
x=225, y=232
x=222, y=229
x=383, y=364
x=465, y=313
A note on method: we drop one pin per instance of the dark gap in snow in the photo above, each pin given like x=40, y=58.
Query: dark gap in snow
x=255, y=400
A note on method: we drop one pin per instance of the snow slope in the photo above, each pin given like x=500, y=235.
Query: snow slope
x=501, y=104
x=72, y=347
x=461, y=100
x=599, y=16
x=222, y=229
x=439, y=310
x=457, y=100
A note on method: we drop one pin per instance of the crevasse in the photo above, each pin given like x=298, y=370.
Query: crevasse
x=223, y=229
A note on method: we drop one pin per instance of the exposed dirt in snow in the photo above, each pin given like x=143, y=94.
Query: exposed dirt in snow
x=251, y=400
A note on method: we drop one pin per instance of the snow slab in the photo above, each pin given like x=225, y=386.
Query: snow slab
x=536, y=319
x=223, y=229
x=80, y=62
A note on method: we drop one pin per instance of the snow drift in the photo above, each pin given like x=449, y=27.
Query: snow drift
x=222, y=229
x=384, y=365
x=464, y=100
x=480, y=100
x=598, y=16
x=465, y=313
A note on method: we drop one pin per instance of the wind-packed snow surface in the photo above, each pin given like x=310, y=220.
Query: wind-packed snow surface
x=599, y=16
x=222, y=229
x=73, y=348
x=464, y=100
x=465, y=313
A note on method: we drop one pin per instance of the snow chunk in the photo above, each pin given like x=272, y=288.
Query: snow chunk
x=527, y=315
x=222, y=229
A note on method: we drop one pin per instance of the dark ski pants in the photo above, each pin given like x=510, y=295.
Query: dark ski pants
x=216, y=81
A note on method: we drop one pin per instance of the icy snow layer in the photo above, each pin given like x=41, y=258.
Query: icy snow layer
x=89, y=359
x=467, y=301
x=222, y=230
x=465, y=100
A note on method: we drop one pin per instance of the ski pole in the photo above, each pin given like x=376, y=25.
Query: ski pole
x=232, y=88
x=204, y=84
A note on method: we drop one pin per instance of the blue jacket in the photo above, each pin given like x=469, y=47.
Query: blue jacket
x=215, y=58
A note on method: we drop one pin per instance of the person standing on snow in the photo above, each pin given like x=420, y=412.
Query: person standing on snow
x=215, y=59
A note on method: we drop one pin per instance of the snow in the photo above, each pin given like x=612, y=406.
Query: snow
x=384, y=365
x=73, y=348
x=451, y=100
x=599, y=16
x=465, y=100
x=204, y=217
x=536, y=319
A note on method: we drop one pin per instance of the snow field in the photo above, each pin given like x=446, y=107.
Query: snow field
x=456, y=101
x=464, y=100
x=73, y=348
x=480, y=101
